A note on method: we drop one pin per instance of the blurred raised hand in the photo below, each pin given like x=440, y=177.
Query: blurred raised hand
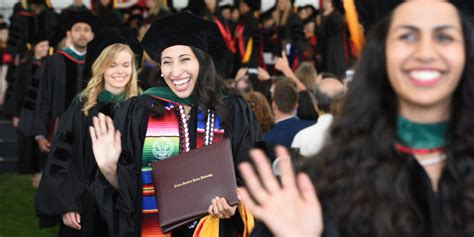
x=289, y=209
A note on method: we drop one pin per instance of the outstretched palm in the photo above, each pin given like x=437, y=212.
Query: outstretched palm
x=106, y=142
x=289, y=209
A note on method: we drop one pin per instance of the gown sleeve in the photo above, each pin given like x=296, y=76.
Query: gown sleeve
x=61, y=183
x=43, y=110
x=243, y=130
x=120, y=207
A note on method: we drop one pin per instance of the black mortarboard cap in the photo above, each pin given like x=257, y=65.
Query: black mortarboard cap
x=267, y=14
x=183, y=29
x=253, y=4
x=69, y=18
x=196, y=7
x=37, y=2
x=107, y=37
x=38, y=37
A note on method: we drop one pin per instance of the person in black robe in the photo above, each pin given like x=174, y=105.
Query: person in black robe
x=65, y=195
x=291, y=37
x=63, y=76
x=25, y=91
x=248, y=37
x=210, y=11
x=331, y=40
x=157, y=9
x=5, y=59
x=107, y=15
x=392, y=167
x=122, y=204
x=32, y=17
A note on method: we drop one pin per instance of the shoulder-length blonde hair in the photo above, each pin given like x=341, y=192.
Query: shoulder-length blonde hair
x=97, y=83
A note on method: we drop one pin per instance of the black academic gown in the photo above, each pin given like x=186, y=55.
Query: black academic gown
x=23, y=80
x=25, y=89
x=122, y=208
x=62, y=80
x=251, y=30
x=25, y=24
x=225, y=65
x=292, y=33
x=69, y=173
x=106, y=17
x=427, y=203
x=331, y=42
x=27, y=111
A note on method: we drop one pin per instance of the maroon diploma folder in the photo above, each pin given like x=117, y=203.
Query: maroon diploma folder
x=186, y=184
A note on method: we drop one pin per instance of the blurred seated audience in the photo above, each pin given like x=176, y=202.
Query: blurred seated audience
x=325, y=92
x=284, y=105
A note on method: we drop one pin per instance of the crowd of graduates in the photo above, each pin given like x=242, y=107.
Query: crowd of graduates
x=260, y=46
x=264, y=79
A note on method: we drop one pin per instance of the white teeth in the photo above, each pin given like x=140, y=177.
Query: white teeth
x=182, y=81
x=425, y=75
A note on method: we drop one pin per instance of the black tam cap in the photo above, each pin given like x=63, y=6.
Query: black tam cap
x=107, y=37
x=38, y=37
x=183, y=29
x=69, y=18
x=253, y=4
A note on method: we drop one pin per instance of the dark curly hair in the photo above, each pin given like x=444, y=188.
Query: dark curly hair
x=363, y=182
x=209, y=90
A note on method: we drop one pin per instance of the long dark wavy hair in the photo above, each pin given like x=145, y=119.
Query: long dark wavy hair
x=364, y=183
x=209, y=89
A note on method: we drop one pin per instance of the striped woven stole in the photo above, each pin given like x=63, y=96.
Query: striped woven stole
x=164, y=138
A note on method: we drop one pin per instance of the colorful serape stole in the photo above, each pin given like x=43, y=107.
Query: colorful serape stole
x=165, y=138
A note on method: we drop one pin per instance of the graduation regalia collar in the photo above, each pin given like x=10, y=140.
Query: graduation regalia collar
x=107, y=97
x=72, y=55
x=166, y=93
x=421, y=138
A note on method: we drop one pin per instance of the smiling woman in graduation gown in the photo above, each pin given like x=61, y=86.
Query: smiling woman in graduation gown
x=65, y=195
x=192, y=110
